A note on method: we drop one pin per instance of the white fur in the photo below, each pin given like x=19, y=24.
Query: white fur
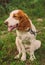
x=25, y=36
x=11, y=21
x=14, y=12
x=34, y=44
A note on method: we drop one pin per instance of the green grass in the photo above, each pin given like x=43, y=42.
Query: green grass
x=8, y=48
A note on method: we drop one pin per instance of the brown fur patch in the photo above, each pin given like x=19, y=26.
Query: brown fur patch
x=24, y=22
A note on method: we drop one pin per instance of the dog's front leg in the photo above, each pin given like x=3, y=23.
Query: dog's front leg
x=32, y=49
x=23, y=58
x=32, y=56
x=18, y=47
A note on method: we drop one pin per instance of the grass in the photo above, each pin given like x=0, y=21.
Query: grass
x=8, y=48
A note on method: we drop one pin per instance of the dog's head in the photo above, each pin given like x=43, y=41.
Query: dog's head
x=18, y=20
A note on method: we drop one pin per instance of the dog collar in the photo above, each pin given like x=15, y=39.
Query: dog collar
x=31, y=31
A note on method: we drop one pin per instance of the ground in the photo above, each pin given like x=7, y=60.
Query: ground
x=8, y=48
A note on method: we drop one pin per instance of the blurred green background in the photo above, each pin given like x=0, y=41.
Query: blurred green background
x=34, y=8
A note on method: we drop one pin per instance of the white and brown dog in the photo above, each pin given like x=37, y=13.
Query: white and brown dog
x=26, y=31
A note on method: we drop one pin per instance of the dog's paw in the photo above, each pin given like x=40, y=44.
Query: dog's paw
x=32, y=58
x=23, y=58
x=17, y=56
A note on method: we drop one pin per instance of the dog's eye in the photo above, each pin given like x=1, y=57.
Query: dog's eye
x=14, y=16
x=16, y=24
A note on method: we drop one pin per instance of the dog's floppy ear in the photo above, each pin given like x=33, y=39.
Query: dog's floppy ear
x=24, y=23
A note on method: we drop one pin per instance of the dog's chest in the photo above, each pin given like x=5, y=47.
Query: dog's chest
x=25, y=36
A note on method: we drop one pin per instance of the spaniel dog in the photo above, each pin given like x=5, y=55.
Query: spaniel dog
x=26, y=34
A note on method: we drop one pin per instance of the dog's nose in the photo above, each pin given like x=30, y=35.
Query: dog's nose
x=6, y=22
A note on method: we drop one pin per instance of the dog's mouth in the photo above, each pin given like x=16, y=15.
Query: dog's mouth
x=10, y=28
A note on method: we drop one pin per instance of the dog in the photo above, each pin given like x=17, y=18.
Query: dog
x=25, y=31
